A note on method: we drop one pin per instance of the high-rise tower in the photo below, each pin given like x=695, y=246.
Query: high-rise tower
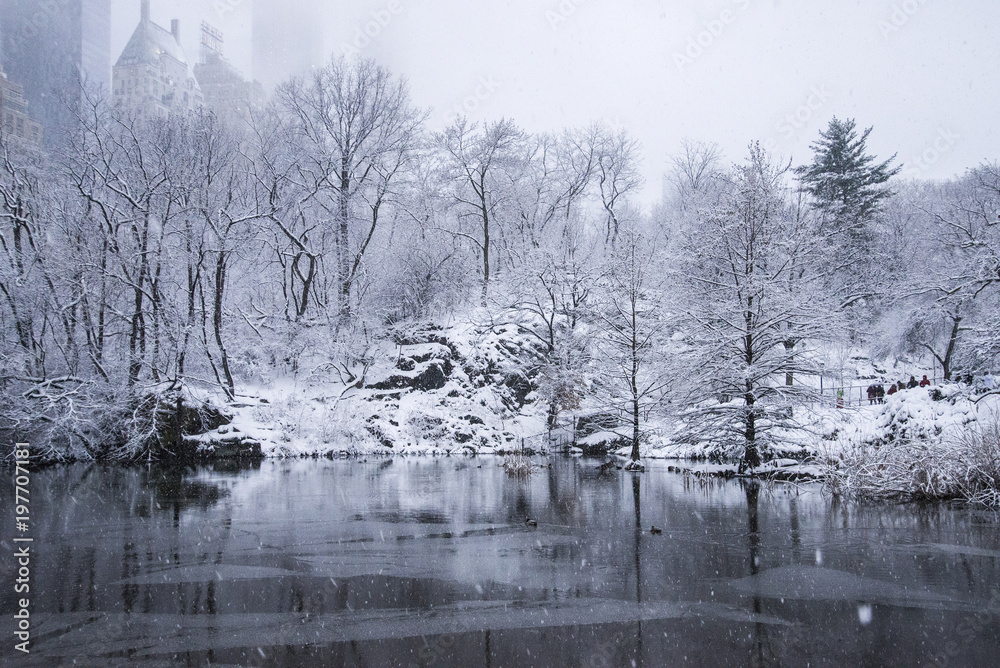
x=49, y=48
x=15, y=122
x=287, y=39
x=226, y=92
x=152, y=77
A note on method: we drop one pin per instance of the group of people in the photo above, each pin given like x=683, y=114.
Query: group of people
x=877, y=391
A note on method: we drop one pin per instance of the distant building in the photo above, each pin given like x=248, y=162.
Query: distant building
x=51, y=47
x=93, y=48
x=225, y=90
x=152, y=77
x=14, y=119
x=287, y=39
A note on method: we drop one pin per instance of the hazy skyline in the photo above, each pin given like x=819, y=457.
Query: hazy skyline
x=729, y=71
x=287, y=38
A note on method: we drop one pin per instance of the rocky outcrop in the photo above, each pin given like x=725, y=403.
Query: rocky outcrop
x=442, y=390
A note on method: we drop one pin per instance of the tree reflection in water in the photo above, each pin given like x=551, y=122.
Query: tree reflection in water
x=636, y=477
x=149, y=503
x=334, y=563
x=761, y=652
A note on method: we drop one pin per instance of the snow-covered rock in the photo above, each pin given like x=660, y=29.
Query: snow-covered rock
x=429, y=390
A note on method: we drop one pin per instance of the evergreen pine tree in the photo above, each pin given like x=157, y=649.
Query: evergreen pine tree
x=846, y=182
x=848, y=186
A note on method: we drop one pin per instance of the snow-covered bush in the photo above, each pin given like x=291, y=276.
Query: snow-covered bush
x=57, y=416
x=962, y=463
x=980, y=444
x=518, y=465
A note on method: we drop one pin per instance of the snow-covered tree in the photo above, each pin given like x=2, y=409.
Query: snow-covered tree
x=848, y=186
x=547, y=299
x=631, y=322
x=357, y=132
x=221, y=208
x=617, y=175
x=692, y=175
x=550, y=191
x=22, y=241
x=748, y=301
x=950, y=295
x=481, y=163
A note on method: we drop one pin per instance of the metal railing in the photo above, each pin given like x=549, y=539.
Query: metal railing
x=853, y=395
x=563, y=435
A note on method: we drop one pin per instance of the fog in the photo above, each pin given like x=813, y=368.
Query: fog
x=727, y=70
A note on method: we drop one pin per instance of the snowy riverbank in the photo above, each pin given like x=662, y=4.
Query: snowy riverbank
x=467, y=391
x=463, y=389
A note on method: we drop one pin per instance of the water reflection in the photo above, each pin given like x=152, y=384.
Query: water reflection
x=761, y=652
x=637, y=503
x=430, y=562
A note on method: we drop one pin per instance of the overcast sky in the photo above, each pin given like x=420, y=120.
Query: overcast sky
x=924, y=73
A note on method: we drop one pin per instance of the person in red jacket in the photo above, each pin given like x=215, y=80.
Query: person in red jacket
x=892, y=389
x=924, y=382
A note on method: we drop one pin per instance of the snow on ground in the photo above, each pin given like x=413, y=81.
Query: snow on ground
x=933, y=414
x=433, y=390
x=467, y=389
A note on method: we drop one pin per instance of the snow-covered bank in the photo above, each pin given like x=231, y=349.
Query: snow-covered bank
x=434, y=389
x=940, y=442
x=465, y=389
x=932, y=444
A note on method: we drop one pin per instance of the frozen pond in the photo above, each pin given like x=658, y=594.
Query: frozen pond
x=430, y=562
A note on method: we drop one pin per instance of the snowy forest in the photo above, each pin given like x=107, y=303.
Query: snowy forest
x=354, y=282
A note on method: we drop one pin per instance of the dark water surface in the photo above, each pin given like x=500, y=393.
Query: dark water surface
x=421, y=562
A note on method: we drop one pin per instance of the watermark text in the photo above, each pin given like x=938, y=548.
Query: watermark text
x=22, y=548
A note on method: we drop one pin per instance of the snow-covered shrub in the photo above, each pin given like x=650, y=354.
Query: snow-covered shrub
x=517, y=465
x=153, y=423
x=962, y=463
x=57, y=416
x=980, y=444
x=66, y=419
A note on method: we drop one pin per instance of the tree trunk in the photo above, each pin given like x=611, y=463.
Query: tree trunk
x=634, y=382
x=154, y=294
x=307, y=280
x=193, y=277
x=751, y=454
x=220, y=288
x=952, y=342
x=343, y=240
x=789, y=374
x=635, y=429
x=23, y=320
x=95, y=328
x=137, y=335
x=486, y=254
